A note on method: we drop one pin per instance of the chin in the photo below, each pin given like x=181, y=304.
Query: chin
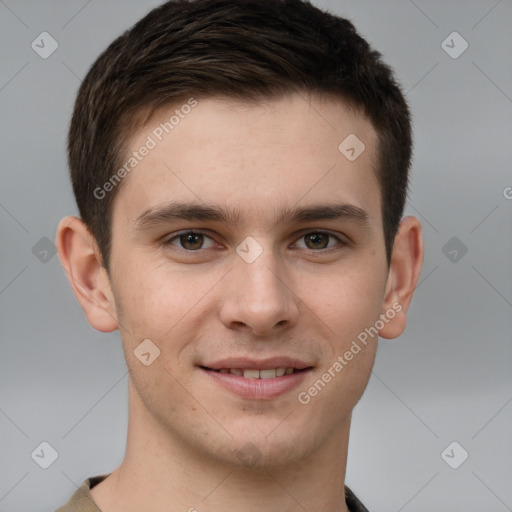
x=270, y=449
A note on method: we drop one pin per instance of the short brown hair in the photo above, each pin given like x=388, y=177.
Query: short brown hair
x=245, y=49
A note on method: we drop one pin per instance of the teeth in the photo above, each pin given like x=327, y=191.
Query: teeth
x=268, y=374
x=251, y=373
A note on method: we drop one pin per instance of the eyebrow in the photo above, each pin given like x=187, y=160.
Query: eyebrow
x=232, y=216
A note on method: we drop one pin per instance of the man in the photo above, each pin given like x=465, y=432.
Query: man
x=241, y=169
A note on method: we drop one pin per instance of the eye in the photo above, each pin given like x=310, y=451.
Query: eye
x=318, y=240
x=191, y=241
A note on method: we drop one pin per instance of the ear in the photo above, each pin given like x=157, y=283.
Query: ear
x=80, y=256
x=404, y=272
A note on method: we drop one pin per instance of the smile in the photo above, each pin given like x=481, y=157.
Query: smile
x=258, y=384
x=251, y=373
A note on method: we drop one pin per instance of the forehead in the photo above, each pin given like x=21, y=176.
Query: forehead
x=255, y=158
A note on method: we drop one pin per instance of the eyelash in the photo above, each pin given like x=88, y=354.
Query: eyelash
x=167, y=243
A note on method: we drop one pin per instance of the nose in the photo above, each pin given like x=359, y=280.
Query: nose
x=259, y=298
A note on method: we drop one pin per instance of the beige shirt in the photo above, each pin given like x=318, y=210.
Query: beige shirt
x=82, y=501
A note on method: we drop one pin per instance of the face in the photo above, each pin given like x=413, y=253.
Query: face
x=246, y=240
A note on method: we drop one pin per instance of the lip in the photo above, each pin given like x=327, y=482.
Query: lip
x=258, y=389
x=260, y=364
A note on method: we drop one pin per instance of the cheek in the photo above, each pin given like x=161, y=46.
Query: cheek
x=164, y=306
x=152, y=303
x=347, y=304
x=357, y=301
x=350, y=309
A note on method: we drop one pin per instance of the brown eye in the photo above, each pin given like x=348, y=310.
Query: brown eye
x=316, y=240
x=191, y=241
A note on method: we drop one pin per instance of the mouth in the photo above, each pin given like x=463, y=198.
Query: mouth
x=254, y=373
x=257, y=381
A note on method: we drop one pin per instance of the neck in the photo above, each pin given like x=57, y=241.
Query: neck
x=158, y=474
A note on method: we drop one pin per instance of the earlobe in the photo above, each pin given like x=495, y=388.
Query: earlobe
x=81, y=260
x=404, y=273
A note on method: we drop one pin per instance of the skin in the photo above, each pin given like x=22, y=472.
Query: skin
x=298, y=299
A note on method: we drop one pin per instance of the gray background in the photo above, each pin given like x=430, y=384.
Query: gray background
x=448, y=378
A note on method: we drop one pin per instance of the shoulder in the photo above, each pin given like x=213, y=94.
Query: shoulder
x=81, y=500
x=353, y=503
